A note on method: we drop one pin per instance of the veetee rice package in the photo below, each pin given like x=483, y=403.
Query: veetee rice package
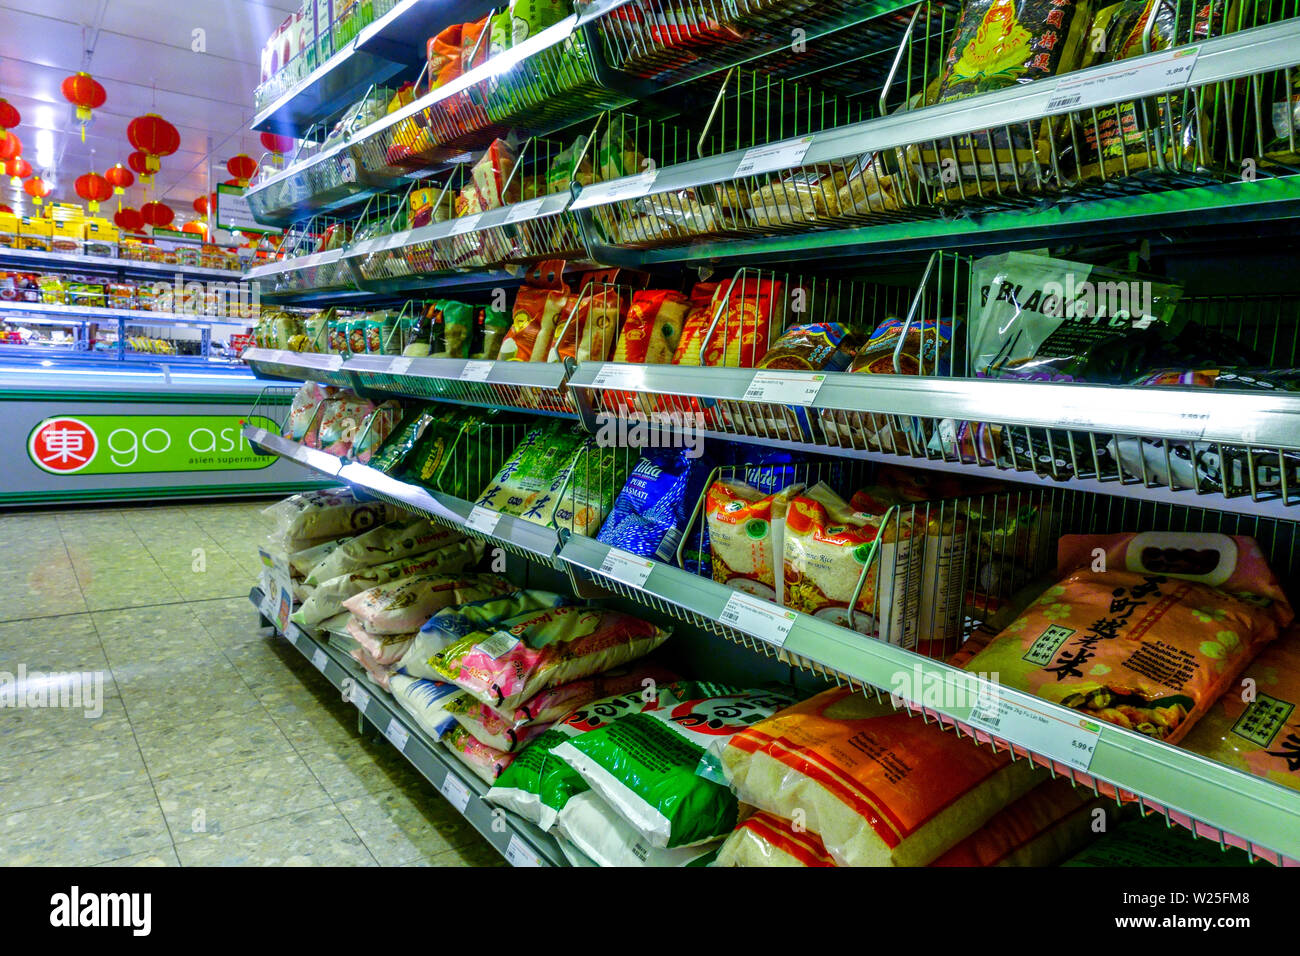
x=330, y=596
x=764, y=839
x=529, y=653
x=389, y=542
x=827, y=546
x=315, y=516
x=404, y=606
x=426, y=701
x=881, y=788
x=1150, y=642
x=656, y=768
x=1255, y=725
x=488, y=763
x=1046, y=825
x=746, y=536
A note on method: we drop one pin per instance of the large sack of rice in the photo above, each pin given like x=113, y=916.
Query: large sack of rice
x=403, y=606
x=316, y=516
x=389, y=542
x=764, y=839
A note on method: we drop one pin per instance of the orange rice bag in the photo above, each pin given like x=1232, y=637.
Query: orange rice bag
x=1261, y=735
x=881, y=788
x=768, y=840
x=1145, y=630
x=653, y=327
x=749, y=312
x=1049, y=823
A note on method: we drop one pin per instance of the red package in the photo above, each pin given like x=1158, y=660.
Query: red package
x=444, y=56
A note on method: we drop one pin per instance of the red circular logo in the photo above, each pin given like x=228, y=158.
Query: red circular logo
x=63, y=445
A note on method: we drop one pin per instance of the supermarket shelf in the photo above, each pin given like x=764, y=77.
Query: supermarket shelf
x=36, y=259
x=530, y=386
x=77, y=313
x=516, y=839
x=297, y=366
x=534, y=541
x=383, y=49
x=1219, y=803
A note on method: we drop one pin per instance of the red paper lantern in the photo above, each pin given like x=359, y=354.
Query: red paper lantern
x=18, y=169
x=242, y=168
x=201, y=205
x=157, y=214
x=93, y=188
x=153, y=136
x=9, y=117
x=120, y=178
x=277, y=145
x=195, y=226
x=84, y=92
x=36, y=188
x=129, y=219
x=11, y=147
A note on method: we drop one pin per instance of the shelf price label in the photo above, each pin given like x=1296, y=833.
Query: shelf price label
x=483, y=520
x=758, y=617
x=632, y=187
x=786, y=388
x=319, y=660
x=1071, y=741
x=476, y=371
x=396, y=734
x=259, y=435
x=456, y=791
x=398, y=366
x=464, y=224
x=626, y=568
x=358, y=696
x=291, y=635
x=526, y=210
x=518, y=853
x=773, y=156
x=1123, y=80
x=618, y=377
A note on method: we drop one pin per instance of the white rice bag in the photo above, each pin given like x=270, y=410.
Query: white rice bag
x=390, y=542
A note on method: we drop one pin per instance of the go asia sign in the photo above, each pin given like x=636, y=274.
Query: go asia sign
x=142, y=444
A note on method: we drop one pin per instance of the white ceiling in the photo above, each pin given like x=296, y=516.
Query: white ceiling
x=142, y=54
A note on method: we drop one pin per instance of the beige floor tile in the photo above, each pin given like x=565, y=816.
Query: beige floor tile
x=109, y=763
x=361, y=768
x=24, y=731
x=83, y=832
x=210, y=744
x=320, y=837
x=163, y=857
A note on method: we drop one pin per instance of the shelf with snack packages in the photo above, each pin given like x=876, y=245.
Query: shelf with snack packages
x=952, y=148
x=38, y=260
x=519, y=841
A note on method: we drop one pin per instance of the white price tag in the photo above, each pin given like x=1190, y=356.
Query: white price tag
x=757, y=617
x=476, y=371
x=483, y=520
x=773, y=156
x=788, y=388
x=618, y=377
x=525, y=210
x=626, y=568
x=633, y=187
x=498, y=644
x=1072, y=741
x=456, y=792
x=1122, y=81
x=464, y=224
x=398, y=366
x=519, y=854
x=397, y=734
x=319, y=660
x=359, y=696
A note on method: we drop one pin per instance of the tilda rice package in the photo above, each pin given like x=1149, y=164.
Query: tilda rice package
x=1144, y=630
x=1255, y=725
x=880, y=787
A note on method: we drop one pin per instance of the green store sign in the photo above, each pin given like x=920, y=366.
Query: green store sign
x=145, y=444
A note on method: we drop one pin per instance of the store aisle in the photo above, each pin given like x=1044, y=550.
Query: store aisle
x=190, y=739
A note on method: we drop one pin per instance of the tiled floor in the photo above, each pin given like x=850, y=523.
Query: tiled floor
x=207, y=743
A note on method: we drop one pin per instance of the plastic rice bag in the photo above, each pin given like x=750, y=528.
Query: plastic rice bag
x=490, y=728
x=488, y=763
x=765, y=839
x=653, y=327
x=375, y=429
x=598, y=831
x=339, y=424
x=384, y=649
x=426, y=701
x=651, y=767
x=404, y=606
x=306, y=403
x=1150, y=842
x=649, y=516
x=390, y=542
x=746, y=537
x=880, y=787
x=381, y=674
x=527, y=654
x=1050, y=822
x=309, y=518
x=524, y=485
x=1153, y=639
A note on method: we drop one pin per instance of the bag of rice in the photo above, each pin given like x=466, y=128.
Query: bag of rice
x=746, y=536
x=650, y=767
x=389, y=542
x=653, y=327
x=403, y=606
x=764, y=839
x=527, y=654
x=1144, y=630
x=452, y=623
x=649, y=516
x=881, y=788
x=490, y=728
x=381, y=674
x=302, y=562
x=312, y=517
x=585, y=491
x=1049, y=823
x=384, y=649
x=330, y=596
x=1255, y=725
x=488, y=763
x=827, y=547
x=538, y=785
x=306, y=403
x=426, y=701
x=604, y=837
x=523, y=486
x=1149, y=842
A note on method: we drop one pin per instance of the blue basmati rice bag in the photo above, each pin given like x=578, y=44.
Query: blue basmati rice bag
x=650, y=513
